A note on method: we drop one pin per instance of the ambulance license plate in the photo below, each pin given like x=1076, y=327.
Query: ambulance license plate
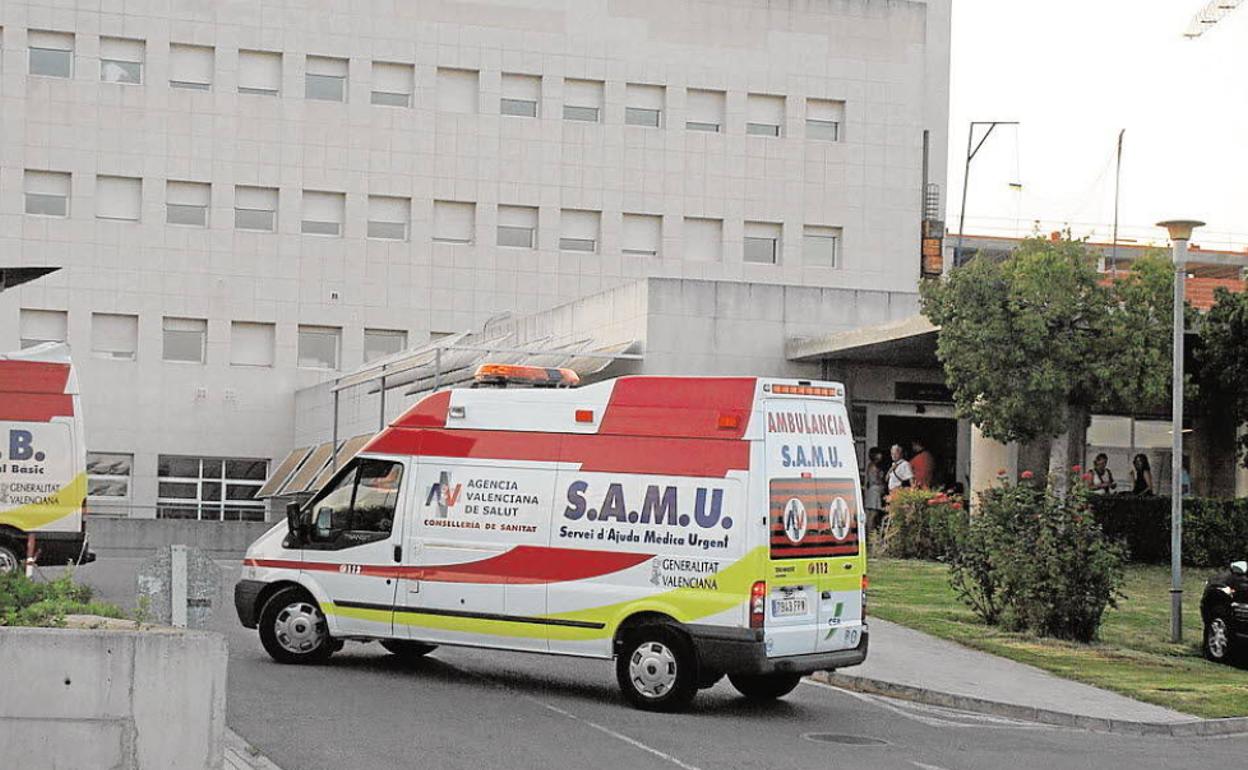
x=783, y=608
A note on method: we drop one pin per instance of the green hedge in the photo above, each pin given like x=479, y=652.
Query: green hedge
x=1215, y=532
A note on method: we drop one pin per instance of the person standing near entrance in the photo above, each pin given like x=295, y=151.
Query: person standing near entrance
x=922, y=464
x=900, y=474
x=1142, y=475
x=873, y=492
x=1102, y=477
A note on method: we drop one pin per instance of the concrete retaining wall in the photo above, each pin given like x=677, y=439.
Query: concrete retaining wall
x=138, y=700
x=140, y=537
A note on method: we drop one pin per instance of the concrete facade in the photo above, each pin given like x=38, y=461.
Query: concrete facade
x=124, y=152
x=114, y=699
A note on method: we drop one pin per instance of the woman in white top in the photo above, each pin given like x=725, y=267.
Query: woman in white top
x=900, y=473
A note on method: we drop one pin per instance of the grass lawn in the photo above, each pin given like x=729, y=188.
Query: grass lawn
x=1134, y=655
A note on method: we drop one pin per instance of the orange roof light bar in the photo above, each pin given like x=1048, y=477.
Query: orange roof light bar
x=807, y=390
x=502, y=375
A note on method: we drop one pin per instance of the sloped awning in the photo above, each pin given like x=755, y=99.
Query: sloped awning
x=908, y=342
x=283, y=471
x=350, y=448
x=12, y=277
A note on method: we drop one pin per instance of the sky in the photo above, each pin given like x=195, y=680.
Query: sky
x=1076, y=72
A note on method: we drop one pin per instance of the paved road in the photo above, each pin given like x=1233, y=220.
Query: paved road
x=471, y=709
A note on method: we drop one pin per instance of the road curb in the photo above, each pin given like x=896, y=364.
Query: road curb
x=1194, y=728
x=241, y=755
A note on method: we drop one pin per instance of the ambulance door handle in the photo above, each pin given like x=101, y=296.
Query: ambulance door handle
x=398, y=553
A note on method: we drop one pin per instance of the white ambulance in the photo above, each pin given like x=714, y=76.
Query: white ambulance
x=688, y=527
x=43, y=478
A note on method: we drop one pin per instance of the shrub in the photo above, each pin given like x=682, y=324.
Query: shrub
x=1032, y=560
x=1215, y=532
x=921, y=524
x=23, y=602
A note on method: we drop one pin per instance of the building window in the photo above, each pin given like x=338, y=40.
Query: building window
x=108, y=476
x=704, y=110
x=764, y=115
x=47, y=193
x=454, y=222
x=325, y=79
x=643, y=233
x=824, y=118
x=521, y=94
x=821, y=246
x=190, y=66
x=118, y=197
x=379, y=343
x=209, y=488
x=388, y=217
x=259, y=72
x=51, y=53
x=186, y=203
x=36, y=327
x=121, y=60
x=319, y=347
x=114, y=336
x=582, y=100
x=517, y=227
x=323, y=213
x=762, y=243
x=185, y=340
x=251, y=344
x=255, y=208
x=643, y=105
x=703, y=239
x=392, y=84
x=457, y=90
x=578, y=230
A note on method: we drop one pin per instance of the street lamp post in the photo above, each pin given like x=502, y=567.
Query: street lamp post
x=972, y=150
x=1180, y=231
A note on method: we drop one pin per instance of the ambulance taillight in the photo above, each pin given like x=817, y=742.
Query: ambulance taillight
x=758, y=604
x=865, y=584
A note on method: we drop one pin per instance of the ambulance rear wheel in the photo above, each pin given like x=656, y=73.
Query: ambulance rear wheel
x=293, y=628
x=760, y=687
x=9, y=560
x=657, y=669
x=407, y=650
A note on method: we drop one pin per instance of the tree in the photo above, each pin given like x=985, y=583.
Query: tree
x=1222, y=361
x=1031, y=344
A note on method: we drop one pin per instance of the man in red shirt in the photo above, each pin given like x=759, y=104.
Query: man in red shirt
x=923, y=465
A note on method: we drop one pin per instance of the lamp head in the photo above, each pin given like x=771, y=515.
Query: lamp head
x=1180, y=229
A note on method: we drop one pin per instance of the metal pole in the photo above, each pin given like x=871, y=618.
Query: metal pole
x=334, y=446
x=437, y=369
x=1113, y=254
x=966, y=175
x=1176, y=459
x=381, y=417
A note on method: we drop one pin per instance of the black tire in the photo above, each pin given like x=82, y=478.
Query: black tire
x=293, y=628
x=407, y=650
x=761, y=687
x=665, y=665
x=1221, y=650
x=10, y=559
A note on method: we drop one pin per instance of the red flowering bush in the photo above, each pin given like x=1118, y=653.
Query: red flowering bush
x=921, y=524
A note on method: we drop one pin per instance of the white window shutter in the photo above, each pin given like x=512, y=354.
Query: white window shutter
x=43, y=325
x=191, y=64
x=251, y=344
x=114, y=335
x=118, y=197
x=643, y=234
x=457, y=90
x=454, y=221
x=706, y=107
x=703, y=239
x=583, y=93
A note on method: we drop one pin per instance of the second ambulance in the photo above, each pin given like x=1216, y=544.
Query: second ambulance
x=687, y=527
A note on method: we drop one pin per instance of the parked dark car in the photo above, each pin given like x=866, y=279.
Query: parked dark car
x=1224, y=611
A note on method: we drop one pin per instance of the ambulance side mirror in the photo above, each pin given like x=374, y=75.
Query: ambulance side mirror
x=293, y=525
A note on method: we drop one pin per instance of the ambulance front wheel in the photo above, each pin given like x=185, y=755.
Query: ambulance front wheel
x=293, y=628
x=657, y=669
x=759, y=687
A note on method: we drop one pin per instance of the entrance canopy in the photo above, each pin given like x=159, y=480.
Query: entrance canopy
x=909, y=342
